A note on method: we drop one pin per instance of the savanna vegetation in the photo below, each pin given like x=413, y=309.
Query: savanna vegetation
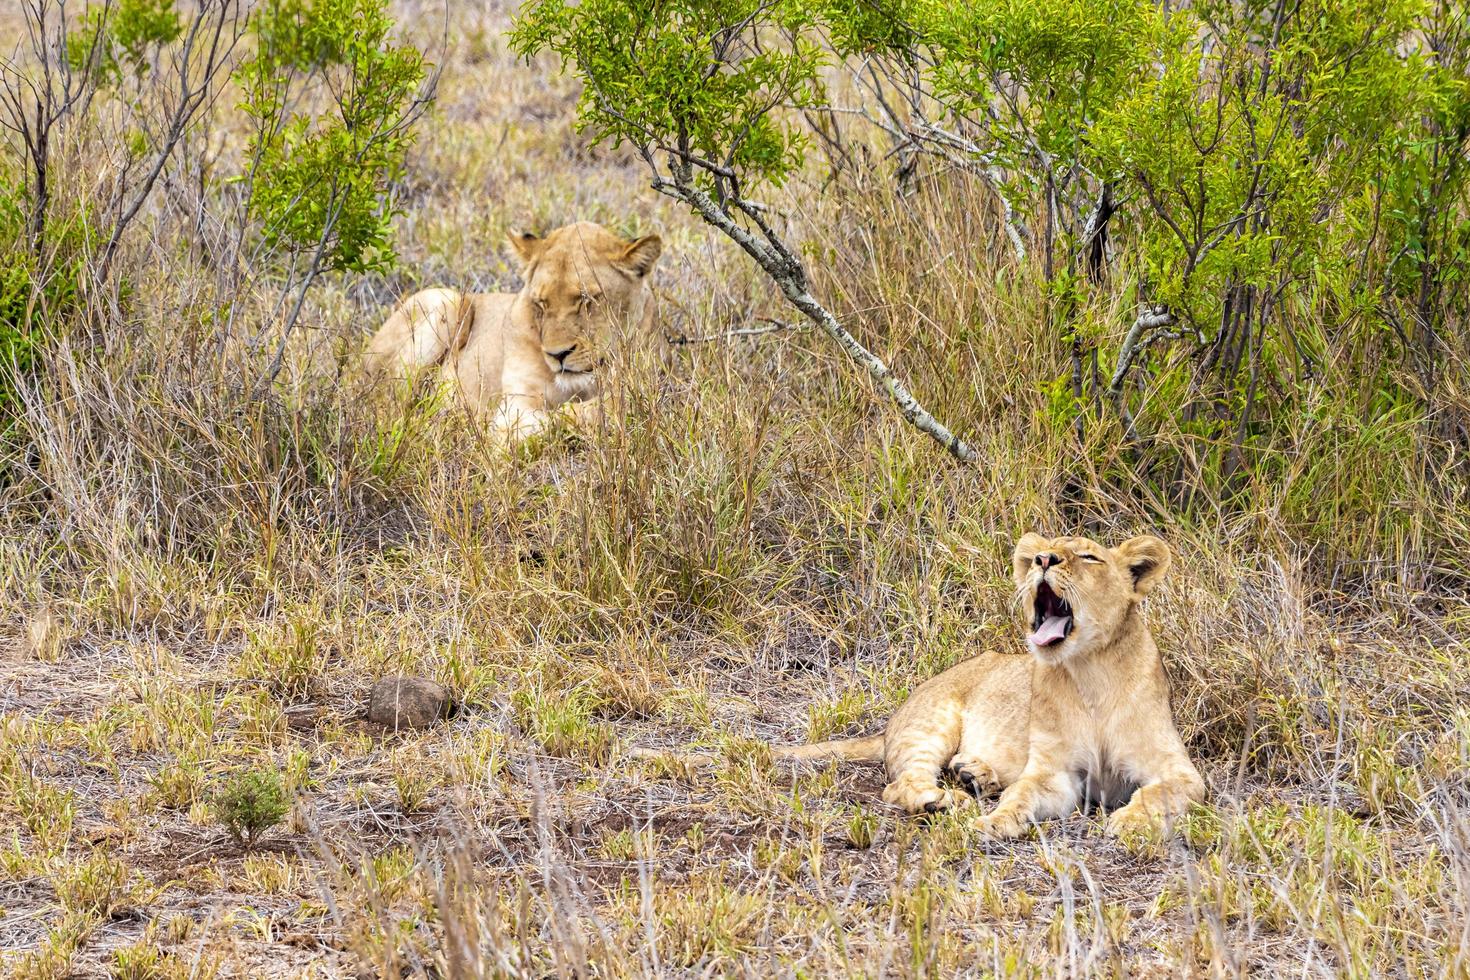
x=936, y=273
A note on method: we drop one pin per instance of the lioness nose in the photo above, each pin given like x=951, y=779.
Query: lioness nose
x=561, y=355
x=1047, y=559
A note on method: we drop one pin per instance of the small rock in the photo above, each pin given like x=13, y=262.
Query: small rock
x=302, y=717
x=407, y=702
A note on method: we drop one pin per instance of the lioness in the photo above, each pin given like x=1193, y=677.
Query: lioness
x=1086, y=717
x=524, y=354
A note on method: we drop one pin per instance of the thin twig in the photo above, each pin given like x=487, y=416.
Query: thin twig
x=776, y=326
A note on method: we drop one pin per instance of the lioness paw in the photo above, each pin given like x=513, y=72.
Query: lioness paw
x=1134, y=823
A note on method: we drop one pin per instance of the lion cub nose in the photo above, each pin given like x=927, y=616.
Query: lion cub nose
x=1047, y=559
x=562, y=355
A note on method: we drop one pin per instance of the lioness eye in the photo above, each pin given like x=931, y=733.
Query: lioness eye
x=1091, y=558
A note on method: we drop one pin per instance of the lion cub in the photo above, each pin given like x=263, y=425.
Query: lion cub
x=1085, y=717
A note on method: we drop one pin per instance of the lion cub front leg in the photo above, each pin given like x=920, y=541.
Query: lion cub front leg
x=1155, y=804
x=975, y=775
x=1038, y=795
x=585, y=415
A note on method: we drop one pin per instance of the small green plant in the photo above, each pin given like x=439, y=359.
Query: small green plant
x=563, y=723
x=707, y=919
x=413, y=781
x=289, y=659
x=141, y=961
x=269, y=874
x=250, y=804
x=629, y=844
x=862, y=829
x=177, y=786
x=96, y=887
x=46, y=810
x=831, y=718
x=55, y=958
x=389, y=873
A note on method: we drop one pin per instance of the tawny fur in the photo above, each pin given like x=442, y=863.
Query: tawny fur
x=1085, y=718
x=866, y=749
x=518, y=357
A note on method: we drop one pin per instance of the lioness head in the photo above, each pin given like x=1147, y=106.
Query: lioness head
x=1075, y=594
x=584, y=283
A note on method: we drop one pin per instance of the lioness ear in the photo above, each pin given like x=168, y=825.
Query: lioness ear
x=641, y=254
x=1146, y=558
x=527, y=245
x=1025, y=553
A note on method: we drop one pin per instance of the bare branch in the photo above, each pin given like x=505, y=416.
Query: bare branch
x=776, y=326
x=786, y=270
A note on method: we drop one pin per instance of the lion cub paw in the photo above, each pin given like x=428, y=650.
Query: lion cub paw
x=977, y=778
x=1133, y=823
x=1002, y=825
x=915, y=797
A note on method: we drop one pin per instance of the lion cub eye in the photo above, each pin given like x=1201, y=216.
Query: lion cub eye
x=1094, y=559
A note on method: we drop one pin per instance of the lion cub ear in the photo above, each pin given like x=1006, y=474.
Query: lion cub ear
x=1025, y=554
x=641, y=254
x=1146, y=558
x=527, y=245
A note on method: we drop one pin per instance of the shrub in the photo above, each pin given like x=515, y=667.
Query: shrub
x=322, y=171
x=34, y=292
x=114, y=34
x=332, y=101
x=250, y=804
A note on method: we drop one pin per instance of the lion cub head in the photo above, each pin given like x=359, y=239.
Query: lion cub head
x=584, y=286
x=1076, y=594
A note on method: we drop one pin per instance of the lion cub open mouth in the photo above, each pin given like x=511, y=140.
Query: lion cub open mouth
x=1052, y=621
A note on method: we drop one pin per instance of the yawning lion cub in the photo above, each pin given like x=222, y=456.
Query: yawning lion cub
x=1085, y=717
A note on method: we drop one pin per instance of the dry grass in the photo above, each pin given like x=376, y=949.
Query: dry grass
x=752, y=549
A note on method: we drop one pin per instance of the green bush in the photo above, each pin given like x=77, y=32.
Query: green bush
x=122, y=32
x=35, y=293
x=250, y=804
x=332, y=99
x=18, y=303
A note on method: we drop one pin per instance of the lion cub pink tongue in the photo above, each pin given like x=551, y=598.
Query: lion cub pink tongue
x=1053, y=629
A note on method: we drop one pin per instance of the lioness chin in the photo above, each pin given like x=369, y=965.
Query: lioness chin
x=518, y=357
x=1084, y=718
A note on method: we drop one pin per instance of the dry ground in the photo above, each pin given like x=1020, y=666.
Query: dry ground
x=752, y=550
